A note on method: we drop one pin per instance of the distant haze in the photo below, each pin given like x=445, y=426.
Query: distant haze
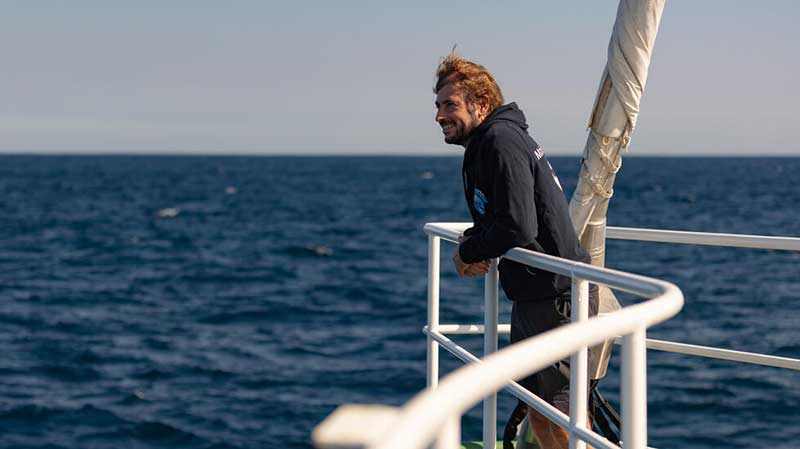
x=255, y=77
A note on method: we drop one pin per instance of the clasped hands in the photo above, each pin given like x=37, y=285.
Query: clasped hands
x=468, y=269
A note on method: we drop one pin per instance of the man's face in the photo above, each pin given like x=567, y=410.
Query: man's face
x=453, y=115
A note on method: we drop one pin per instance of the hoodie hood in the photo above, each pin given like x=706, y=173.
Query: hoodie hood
x=508, y=112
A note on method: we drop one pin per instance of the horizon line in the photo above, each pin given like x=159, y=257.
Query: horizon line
x=437, y=154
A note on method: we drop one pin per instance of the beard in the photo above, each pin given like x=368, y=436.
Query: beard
x=458, y=137
x=460, y=133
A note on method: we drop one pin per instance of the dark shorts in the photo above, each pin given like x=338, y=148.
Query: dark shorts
x=533, y=318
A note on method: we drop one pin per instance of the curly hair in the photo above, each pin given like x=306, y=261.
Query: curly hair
x=473, y=79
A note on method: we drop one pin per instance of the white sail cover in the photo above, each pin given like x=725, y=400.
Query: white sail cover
x=613, y=119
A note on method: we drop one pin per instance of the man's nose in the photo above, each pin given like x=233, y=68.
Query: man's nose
x=439, y=116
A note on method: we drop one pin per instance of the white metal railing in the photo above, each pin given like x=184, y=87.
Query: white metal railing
x=434, y=414
x=704, y=238
x=688, y=238
x=713, y=239
x=431, y=414
x=436, y=337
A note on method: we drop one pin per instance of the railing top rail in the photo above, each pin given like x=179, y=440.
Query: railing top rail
x=424, y=415
x=450, y=231
x=631, y=283
x=704, y=238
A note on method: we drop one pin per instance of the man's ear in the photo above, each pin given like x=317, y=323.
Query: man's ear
x=483, y=106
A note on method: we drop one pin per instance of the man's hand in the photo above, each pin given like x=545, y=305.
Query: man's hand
x=468, y=269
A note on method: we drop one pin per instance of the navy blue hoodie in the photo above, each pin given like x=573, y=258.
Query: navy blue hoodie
x=516, y=200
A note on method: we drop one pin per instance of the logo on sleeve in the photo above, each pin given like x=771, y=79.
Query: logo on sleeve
x=479, y=202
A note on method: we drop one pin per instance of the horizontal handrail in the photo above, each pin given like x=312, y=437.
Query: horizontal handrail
x=656, y=345
x=452, y=231
x=631, y=283
x=425, y=414
x=619, y=280
x=723, y=354
x=550, y=412
x=704, y=238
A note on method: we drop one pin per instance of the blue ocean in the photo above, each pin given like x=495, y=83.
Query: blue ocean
x=234, y=302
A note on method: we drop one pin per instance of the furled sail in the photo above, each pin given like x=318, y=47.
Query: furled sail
x=613, y=119
x=610, y=127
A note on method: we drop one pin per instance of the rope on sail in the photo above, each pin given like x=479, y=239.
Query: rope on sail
x=614, y=116
x=611, y=124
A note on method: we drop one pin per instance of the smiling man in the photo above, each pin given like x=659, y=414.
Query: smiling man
x=515, y=199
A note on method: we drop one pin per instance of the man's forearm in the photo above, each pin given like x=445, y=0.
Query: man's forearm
x=492, y=243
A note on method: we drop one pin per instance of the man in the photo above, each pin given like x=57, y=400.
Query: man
x=515, y=199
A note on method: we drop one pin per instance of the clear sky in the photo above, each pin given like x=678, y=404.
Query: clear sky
x=344, y=77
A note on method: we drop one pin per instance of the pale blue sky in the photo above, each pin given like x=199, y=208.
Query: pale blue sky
x=344, y=77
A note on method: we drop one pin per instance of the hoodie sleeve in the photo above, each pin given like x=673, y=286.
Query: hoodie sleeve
x=511, y=199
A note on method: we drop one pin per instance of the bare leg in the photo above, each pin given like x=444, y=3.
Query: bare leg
x=550, y=434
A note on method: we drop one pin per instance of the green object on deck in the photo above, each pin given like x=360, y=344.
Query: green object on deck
x=479, y=445
x=525, y=434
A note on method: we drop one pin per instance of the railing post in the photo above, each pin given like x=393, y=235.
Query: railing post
x=450, y=435
x=579, y=367
x=491, y=298
x=434, y=244
x=634, y=393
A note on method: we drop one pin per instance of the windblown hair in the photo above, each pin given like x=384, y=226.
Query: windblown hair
x=472, y=78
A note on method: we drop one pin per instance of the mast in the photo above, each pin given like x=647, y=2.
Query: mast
x=613, y=119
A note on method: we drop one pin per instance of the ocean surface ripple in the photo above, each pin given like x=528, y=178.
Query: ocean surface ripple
x=234, y=302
